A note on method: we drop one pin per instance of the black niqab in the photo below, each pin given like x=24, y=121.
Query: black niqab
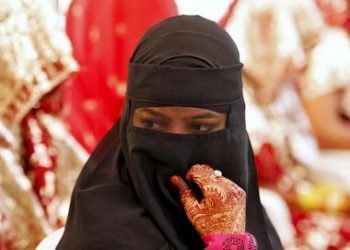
x=123, y=198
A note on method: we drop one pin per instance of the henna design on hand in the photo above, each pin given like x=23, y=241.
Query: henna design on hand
x=222, y=210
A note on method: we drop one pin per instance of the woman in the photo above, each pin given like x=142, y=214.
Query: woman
x=289, y=160
x=184, y=107
x=35, y=58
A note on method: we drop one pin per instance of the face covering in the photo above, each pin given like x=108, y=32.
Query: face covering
x=123, y=198
x=156, y=156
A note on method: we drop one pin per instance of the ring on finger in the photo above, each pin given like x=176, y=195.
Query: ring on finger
x=217, y=173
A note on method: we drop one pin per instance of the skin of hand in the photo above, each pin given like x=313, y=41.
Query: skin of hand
x=223, y=207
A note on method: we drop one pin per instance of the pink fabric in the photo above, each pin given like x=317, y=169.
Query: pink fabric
x=244, y=241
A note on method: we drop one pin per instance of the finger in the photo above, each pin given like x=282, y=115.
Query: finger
x=179, y=183
x=239, y=192
x=200, y=174
x=189, y=201
x=204, y=176
x=199, y=170
x=232, y=189
x=188, y=198
x=231, y=185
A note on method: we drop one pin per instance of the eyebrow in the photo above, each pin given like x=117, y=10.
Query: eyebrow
x=201, y=116
x=153, y=112
x=205, y=115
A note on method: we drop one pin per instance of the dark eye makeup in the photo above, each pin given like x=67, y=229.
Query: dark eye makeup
x=203, y=128
x=179, y=120
x=151, y=123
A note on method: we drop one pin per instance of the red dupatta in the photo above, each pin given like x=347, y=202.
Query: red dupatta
x=103, y=35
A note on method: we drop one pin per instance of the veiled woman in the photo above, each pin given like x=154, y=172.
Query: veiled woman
x=183, y=118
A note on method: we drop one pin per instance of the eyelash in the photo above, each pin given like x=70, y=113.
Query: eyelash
x=147, y=122
x=197, y=127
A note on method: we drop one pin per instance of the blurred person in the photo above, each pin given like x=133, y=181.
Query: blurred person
x=275, y=39
x=22, y=219
x=36, y=58
x=324, y=87
x=326, y=81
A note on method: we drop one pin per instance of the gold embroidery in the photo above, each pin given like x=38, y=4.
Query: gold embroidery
x=121, y=88
x=90, y=105
x=90, y=140
x=112, y=81
x=94, y=34
x=36, y=56
x=77, y=10
x=120, y=29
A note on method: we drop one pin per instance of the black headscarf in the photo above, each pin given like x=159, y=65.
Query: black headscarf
x=123, y=198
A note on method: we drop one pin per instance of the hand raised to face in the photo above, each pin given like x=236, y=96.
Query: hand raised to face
x=222, y=209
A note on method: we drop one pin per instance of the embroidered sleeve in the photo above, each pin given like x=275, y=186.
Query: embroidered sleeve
x=243, y=241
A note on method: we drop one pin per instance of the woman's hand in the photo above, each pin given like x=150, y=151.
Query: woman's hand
x=221, y=211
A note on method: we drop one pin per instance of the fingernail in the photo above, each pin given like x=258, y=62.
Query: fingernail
x=175, y=180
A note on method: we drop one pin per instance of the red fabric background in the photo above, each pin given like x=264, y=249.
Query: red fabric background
x=104, y=34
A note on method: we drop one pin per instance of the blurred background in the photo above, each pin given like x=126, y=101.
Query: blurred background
x=63, y=66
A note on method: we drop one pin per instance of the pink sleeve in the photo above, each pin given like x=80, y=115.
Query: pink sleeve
x=244, y=241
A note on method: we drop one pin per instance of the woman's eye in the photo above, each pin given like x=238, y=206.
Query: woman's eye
x=202, y=128
x=151, y=124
